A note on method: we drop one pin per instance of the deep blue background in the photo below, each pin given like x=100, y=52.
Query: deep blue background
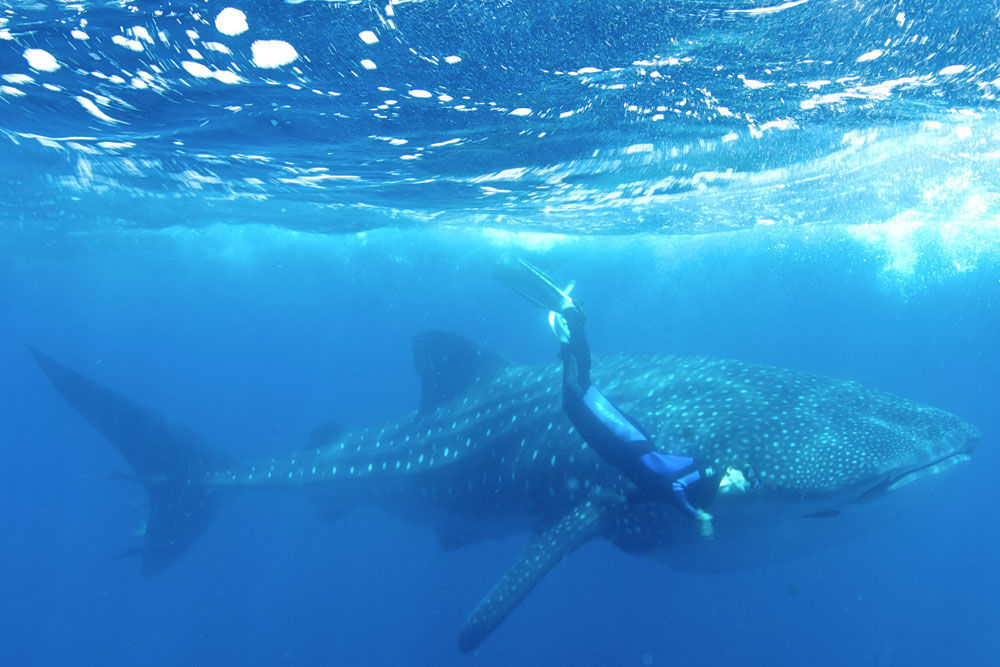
x=771, y=123
x=254, y=336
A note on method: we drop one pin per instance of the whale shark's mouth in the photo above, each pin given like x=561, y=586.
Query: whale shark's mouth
x=906, y=476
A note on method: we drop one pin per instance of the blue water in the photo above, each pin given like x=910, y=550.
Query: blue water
x=814, y=187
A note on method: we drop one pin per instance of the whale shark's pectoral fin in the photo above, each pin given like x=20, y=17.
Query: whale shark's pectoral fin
x=586, y=520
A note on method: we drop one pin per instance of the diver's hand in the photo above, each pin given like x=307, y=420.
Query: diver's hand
x=567, y=323
x=705, y=527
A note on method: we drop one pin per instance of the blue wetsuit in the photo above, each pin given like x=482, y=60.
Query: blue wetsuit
x=689, y=483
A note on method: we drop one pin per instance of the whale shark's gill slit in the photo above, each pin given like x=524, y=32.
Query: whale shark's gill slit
x=585, y=521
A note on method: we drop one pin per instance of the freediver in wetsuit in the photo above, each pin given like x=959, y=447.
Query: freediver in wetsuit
x=686, y=482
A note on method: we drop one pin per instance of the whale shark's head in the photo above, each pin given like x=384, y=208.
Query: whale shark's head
x=922, y=460
x=803, y=435
x=828, y=458
x=878, y=445
x=786, y=514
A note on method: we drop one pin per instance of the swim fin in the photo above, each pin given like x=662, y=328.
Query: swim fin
x=534, y=285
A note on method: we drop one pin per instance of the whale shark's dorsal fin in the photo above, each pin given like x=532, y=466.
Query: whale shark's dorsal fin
x=448, y=364
x=586, y=520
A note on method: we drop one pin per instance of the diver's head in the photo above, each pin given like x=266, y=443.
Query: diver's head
x=738, y=480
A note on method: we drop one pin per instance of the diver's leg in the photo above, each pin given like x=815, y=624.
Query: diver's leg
x=615, y=436
x=609, y=431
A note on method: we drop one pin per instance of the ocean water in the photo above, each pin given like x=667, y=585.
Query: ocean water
x=240, y=213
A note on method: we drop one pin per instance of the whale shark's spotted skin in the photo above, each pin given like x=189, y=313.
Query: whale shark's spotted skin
x=803, y=434
x=490, y=452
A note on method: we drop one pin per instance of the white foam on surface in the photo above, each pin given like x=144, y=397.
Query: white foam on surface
x=272, y=53
x=870, y=55
x=753, y=84
x=41, y=60
x=17, y=78
x=418, y=92
x=773, y=9
x=131, y=44
x=203, y=72
x=780, y=124
x=218, y=47
x=139, y=32
x=196, y=69
x=231, y=21
x=521, y=111
x=226, y=76
x=94, y=110
x=316, y=181
x=369, y=64
x=368, y=37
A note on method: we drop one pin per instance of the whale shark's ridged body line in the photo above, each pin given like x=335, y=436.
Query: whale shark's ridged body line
x=491, y=453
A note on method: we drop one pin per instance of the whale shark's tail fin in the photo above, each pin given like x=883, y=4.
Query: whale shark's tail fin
x=167, y=459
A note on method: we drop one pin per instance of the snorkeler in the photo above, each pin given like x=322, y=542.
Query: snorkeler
x=688, y=483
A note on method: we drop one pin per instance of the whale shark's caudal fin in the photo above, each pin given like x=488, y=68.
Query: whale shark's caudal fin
x=165, y=457
x=585, y=521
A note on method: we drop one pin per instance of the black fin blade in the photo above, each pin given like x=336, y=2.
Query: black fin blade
x=448, y=364
x=585, y=521
x=166, y=458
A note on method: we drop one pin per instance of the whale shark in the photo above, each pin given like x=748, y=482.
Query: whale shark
x=488, y=453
